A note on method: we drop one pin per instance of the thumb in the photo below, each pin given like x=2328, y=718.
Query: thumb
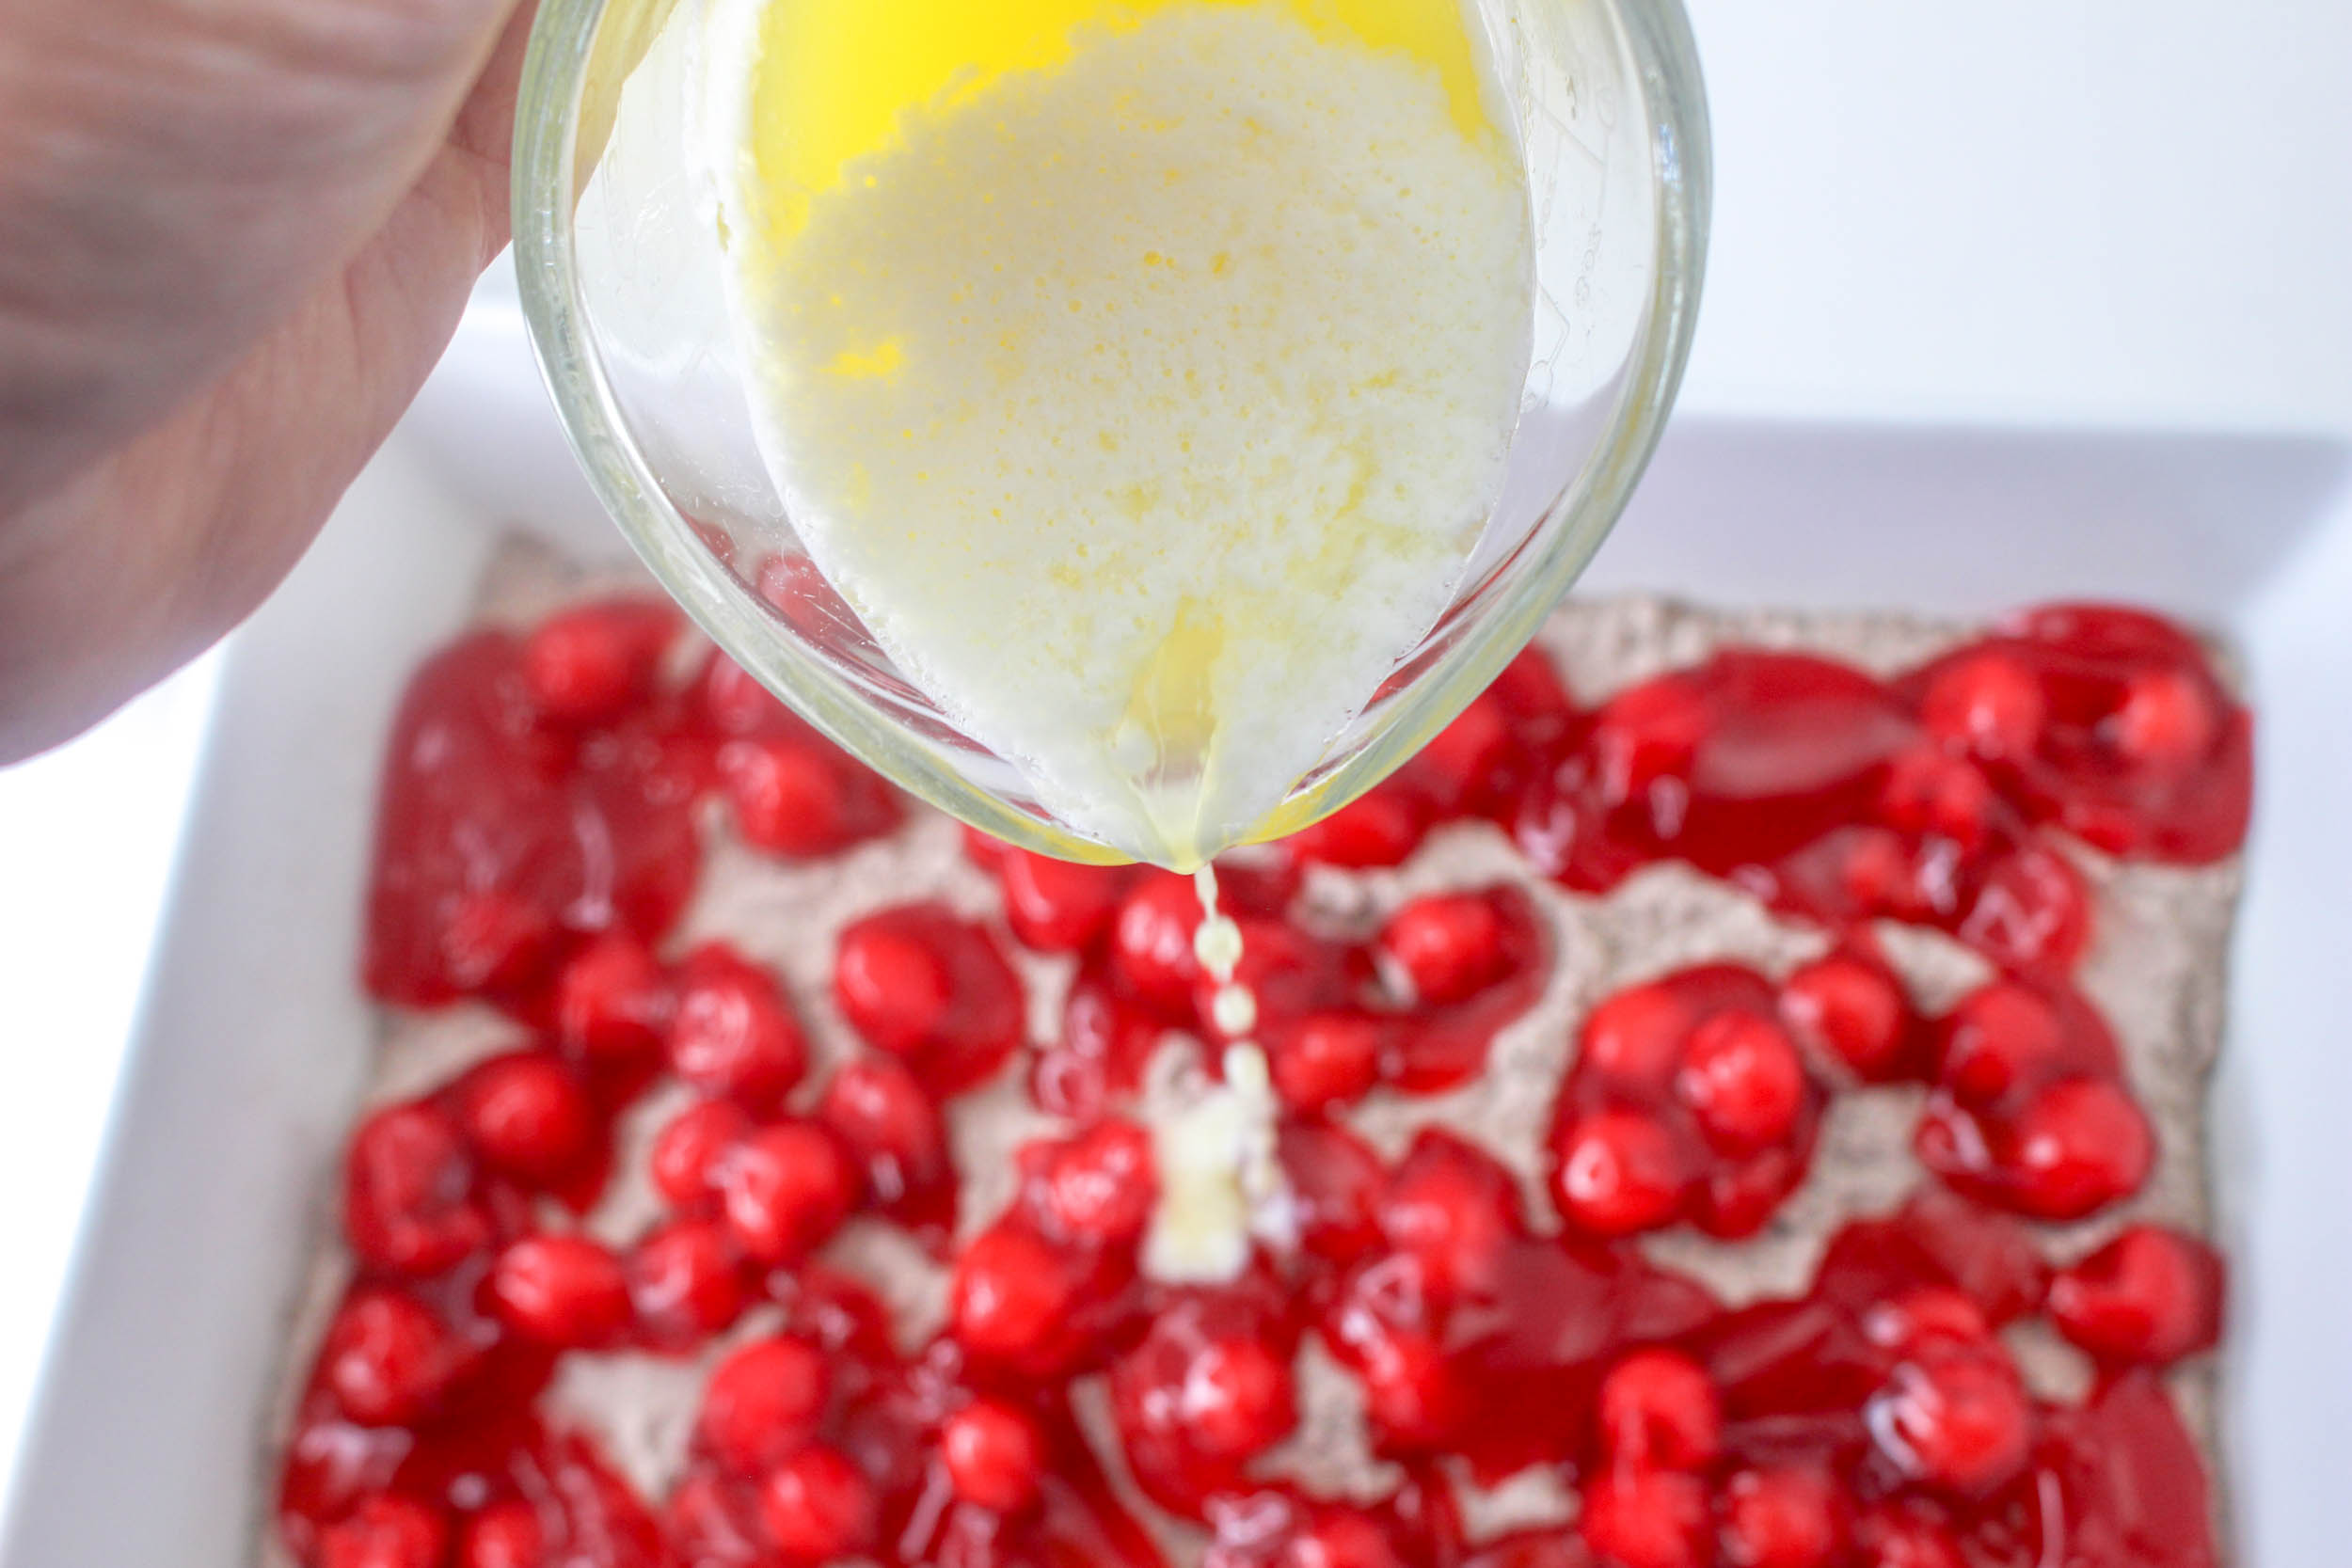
x=175, y=175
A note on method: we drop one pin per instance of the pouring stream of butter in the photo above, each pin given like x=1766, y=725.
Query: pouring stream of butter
x=1142, y=375
x=1222, y=1185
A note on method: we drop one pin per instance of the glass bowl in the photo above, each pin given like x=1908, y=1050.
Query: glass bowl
x=617, y=248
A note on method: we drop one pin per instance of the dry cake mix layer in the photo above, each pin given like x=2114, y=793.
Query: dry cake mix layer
x=1742, y=1103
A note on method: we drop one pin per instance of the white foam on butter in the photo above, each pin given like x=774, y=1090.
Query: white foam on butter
x=1148, y=409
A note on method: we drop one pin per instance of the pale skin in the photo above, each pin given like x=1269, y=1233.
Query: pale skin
x=234, y=237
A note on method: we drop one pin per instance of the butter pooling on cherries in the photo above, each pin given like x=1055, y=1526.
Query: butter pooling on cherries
x=539, y=839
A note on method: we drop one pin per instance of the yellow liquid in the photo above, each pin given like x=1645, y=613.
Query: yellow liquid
x=1142, y=373
x=837, y=75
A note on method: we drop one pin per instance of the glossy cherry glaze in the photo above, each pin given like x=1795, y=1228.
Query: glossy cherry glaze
x=538, y=841
x=1840, y=799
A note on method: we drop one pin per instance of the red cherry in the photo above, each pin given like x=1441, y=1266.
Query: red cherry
x=1206, y=1387
x=1325, y=1059
x=1853, y=1009
x=527, y=1116
x=1988, y=703
x=1340, y=1538
x=1536, y=700
x=790, y=793
x=1055, y=906
x=506, y=1534
x=567, y=1292
x=1657, y=1410
x=1636, y=1518
x=1012, y=1295
x=817, y=1505
x=1635, y=1036
x=1876, y=874
x=993, y=1454
x=1735, y=1198
x=1462, y=767
x=1780, y=1518
x=1105, y=1043
x=983, y=850
x=1259, y=882
x=1335, y=1179
x=387, y=1358
x=2030, y=913
x=2165, y=719
x=731, y=702
x=892, y=987
x=385, y=1532
x=1099, y=1187
x=2000, y=1037
x=763, y=1402
x=1955, y=1418
x=1412, y=1397
x=1647, y=733
x=1453, y=1210
x=408, y=1204
x=1560, y=1547
x=1922, y=1319
x=496, y=941
x=1929, y=792
x=712, y=1518
x=1742, y=1079
x=685, y=1281
x=588, y=665
x=1378, y=829
x=735, y=1035
x=1988, y=1255
x=920, y=982
x=1151, y=954
x=611, y=1000
x=1445, y=947
x=880, y=1111
x=2149, y=1297
x=493, y=832
x=785, y=1190
x=2078, y=1145
x=686, y=1148
x=1892, y=1536
x=1235, y=1398
x=1616, y=1172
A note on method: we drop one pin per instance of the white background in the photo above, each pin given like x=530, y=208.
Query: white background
x=2022, y=212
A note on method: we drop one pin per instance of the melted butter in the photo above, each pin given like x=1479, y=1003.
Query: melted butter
x=1220, y=1182
x=837, y=78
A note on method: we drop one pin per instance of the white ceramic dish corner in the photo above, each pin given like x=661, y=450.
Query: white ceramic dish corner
x=147, y=1444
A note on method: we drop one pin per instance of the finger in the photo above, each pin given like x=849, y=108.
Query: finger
x=176, y=174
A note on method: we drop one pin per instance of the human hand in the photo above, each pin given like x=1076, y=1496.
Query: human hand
x=234, y=237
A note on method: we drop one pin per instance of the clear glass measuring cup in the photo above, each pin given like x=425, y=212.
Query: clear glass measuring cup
x=621, y=276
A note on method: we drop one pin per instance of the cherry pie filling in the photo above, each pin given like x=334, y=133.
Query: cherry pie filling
x=539, y=841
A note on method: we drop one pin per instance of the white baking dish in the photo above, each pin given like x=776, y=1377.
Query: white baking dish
x=146, y=1446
